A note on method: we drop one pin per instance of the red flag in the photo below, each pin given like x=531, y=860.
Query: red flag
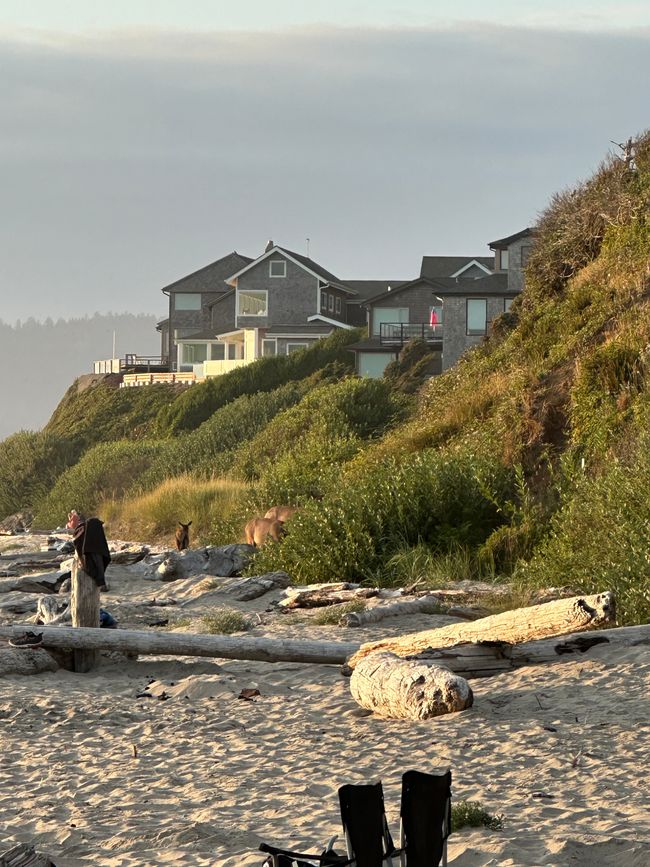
x=434, y=317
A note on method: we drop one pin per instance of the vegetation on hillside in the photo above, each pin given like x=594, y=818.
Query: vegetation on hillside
x=526, y=461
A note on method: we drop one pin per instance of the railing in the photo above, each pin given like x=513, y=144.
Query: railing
x=130, y=380
x=399, y=333
x=131, y=362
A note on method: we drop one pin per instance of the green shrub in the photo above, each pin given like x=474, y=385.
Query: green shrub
x=472, y=814
x=332, y=614
x=265, y=374
x=105, y=472
x=434, y=498
x=225, y=621
x=30, y=463
x=599, y=540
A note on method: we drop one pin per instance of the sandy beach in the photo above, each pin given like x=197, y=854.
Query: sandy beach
x=560, y=751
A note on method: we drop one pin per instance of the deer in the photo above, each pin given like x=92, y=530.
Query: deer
x=260, y=530
x=281, y=513
x=183, y=536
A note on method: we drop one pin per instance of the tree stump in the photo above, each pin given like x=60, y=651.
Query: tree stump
x=84, y=608
x=402, y=689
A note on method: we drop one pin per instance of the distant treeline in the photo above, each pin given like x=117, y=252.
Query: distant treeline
x=39, y=360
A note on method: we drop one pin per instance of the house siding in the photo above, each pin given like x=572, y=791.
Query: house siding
x=291, y=299
x=515, y=267
x=456, y=340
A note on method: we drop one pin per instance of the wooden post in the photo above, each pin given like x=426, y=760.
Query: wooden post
x=84, y=607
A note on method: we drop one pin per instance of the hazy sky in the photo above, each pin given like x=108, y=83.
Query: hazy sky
x=142, y=140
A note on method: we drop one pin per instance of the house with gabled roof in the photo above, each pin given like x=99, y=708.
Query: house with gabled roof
x=450, y=306
x=238, y=308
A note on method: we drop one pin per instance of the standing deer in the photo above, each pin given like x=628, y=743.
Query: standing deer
x=183, y=536
x=281, y=513
x=260, y=530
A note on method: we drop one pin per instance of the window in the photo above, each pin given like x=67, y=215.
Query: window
x=507, y=304
x=269, y=346
x=331, y=304
x=277, y=268
x=218, y=352
x=295, y=347
x=338, y=306
x=388, y=315
x=232, y=351
x=323, y=300
x=187, y=301
x=525, y=253
x=194, y=353
x=504, y=260
x=476, y=315
x=252, y=302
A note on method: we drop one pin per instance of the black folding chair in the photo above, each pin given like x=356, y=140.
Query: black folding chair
x=426, y=822
x=426, y=819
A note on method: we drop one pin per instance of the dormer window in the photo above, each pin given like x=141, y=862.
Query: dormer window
x=503, y=265
x=277, y=268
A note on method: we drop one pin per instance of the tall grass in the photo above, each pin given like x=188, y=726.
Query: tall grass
x=154, y=516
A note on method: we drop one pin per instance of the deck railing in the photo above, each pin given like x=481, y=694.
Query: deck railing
x=399, y=333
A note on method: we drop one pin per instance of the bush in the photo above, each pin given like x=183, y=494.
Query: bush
x=225, y=621
x=104, y=472
x=434, y=498
x=600, y=538
x=29, y=465
x=265, y=374
x=472, y=814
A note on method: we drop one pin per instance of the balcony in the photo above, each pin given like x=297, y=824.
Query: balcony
x=399, y=333
x=133, y=364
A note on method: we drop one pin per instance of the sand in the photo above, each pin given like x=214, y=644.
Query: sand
x=561, y=751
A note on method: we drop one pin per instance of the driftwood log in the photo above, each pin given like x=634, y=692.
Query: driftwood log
x=419, y=605
x=522, y=624
x=84, y=609
x=490, y=658
x=23, y=660
x=404, y=689
x=25, y=856
x=187, y=644
x=321, y=595
x=51, y=610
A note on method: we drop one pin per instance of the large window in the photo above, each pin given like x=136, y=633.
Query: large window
x=504, y=260
x=194, y=353
x=187, y=301
x=385, y=315
x=476, y=315
x=277, y=268
x=252, y=302
x=218, y=352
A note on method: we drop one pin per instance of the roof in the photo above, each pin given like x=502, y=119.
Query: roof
x=368, y=288
x=307, y=329
x=160, y=325
x=212, y=277
x=199, y=335
x=220, y=297
x=494, y=284
x=444, y=266
x=309, y=264
x=504, y=243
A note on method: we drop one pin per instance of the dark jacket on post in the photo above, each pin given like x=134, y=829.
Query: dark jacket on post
x=92, y=549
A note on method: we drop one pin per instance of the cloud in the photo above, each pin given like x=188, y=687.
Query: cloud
x=129, y=161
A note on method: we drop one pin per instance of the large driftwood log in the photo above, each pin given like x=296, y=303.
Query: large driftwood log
x=403, y=689
x=25, y=856
x=521, y=624
x=52, y=610
x=187, y=644
x=23, y=660
x=496, y=657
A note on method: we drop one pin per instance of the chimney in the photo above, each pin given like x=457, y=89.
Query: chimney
x=269, y=246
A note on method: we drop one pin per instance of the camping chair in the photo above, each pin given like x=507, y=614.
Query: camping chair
x=426, y=819
x=368, y=839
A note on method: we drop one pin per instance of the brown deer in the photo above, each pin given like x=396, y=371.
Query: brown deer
x=260, y=530
x=281, y=513
x=183, y=536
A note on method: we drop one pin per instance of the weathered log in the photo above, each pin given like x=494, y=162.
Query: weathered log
x=25, y=856
x=225, y=561
x=24, y=660
x=52, y=610
x=521, y=624
x=84, y=608
x=403, y=689
x=419, y=605
x=245, y=589
x=320, y=596
x=45, y=582
x=188, y=644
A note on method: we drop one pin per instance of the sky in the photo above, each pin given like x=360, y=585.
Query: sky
x=143, y=140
